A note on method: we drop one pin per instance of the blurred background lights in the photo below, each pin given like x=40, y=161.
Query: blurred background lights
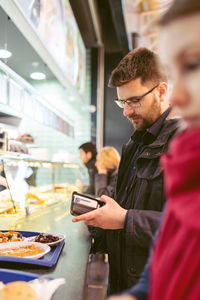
x=5, y=53
x=37, y=75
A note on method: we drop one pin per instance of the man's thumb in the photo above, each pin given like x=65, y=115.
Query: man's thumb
x=105, y=198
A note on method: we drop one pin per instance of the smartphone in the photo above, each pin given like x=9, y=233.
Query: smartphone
x=82, y=204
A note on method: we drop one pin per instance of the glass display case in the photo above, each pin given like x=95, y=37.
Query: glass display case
x=27, y=185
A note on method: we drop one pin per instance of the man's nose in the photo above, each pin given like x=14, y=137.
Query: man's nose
x=128, y=110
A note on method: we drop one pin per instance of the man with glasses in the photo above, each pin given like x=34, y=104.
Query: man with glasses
x=132, y=218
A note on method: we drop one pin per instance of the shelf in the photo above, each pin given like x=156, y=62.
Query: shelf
x=16, y=157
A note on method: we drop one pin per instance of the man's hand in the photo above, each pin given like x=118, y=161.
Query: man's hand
x=110, y=216
x=122, y=297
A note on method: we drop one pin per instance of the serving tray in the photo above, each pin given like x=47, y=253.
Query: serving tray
x=48, y=260
x=10, y=275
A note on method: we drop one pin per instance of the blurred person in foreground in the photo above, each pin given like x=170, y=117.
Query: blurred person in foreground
x=107, y=162
x=132, y=216
x=173, y=272
x=88, y=153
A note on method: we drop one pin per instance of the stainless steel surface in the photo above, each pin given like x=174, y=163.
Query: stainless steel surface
x=72, y=262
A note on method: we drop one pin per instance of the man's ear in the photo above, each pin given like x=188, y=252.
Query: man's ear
x=163, y=88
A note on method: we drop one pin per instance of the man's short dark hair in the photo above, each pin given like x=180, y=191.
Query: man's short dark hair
x=89, y=147
x=180, y=8
x=139, y=63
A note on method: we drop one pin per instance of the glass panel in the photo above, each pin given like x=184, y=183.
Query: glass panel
x=33, y=185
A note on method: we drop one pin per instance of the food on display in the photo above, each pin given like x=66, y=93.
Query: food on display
x=46, y=238
x=5, y=201
x=36, y=197
x=18, y=290
x=33, y=196
x=21, y=251
x=64, y=188
x=10, y=236
x=56, y=188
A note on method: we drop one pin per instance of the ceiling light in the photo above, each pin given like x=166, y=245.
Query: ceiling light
x=5, y=53
x=37, y=75
x=35, y=64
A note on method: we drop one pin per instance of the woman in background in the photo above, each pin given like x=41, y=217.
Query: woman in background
x=107, y=162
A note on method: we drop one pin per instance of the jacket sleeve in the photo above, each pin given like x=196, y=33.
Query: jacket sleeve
x=140, y=226
x=89, y=189
x=141, y=289
x=102, y=187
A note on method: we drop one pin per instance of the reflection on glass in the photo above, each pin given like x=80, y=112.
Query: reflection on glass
x=6, y=202
x=15, y=176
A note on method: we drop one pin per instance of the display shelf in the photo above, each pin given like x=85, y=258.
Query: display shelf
x=15, y=157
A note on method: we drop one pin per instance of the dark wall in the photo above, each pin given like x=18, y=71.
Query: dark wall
x=117, y=128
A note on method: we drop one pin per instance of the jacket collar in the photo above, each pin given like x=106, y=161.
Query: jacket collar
x=151, y=133
x=169, y=126
x=91, y=163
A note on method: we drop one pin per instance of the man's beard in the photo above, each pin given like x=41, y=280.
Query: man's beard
x=148, y=120
x=142, y=125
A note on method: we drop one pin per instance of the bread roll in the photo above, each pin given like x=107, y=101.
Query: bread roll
x=18, y=290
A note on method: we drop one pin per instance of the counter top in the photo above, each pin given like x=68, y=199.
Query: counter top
x=72, y=262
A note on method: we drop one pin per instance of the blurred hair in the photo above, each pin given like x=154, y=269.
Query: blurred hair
x=89, y=147
x=109, y=156
x=139, y=63
x=180, y=8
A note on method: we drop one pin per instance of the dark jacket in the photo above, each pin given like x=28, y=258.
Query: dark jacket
x=128, y=248
x=104, y=183
x=92, y=171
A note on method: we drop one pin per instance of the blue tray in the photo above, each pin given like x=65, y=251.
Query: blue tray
x=9, y=276
x=48, y=260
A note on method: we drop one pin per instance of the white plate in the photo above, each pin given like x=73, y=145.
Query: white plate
x=61, y=238
x=44, y=247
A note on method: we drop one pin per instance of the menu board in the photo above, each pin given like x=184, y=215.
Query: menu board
x=3, y=88
x=80, y=81
x=57, y=28
x=75, y=51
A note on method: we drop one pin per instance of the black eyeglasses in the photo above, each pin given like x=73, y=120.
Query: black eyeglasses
x=133, y=101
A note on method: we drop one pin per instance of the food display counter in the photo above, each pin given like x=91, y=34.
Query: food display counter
x=41, y=203
x=33, y=185
x=72, y=263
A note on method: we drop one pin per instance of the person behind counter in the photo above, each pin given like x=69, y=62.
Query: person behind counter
x=88, y=153
x=107, y=162
x=3, y=181
x=173, y=272
x=133, y=213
